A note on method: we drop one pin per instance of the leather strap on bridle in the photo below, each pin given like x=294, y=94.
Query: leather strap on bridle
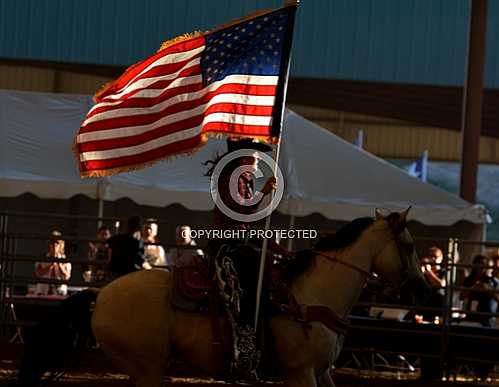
x=308, y=313
x=403, y=260
x=334, y=259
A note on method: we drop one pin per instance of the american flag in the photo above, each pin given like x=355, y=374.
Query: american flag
x=230, y=81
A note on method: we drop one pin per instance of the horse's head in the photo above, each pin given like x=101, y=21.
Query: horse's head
x=398, y=262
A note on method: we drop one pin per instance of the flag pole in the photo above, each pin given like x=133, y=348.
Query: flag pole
x=279, y=107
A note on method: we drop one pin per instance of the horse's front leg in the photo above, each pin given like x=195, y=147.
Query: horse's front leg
x=301, y=378
x=325, y=379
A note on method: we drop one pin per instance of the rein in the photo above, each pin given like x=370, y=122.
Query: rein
x=403, y=260
x=334, y=259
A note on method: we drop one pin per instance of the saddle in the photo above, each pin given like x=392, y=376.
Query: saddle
x=196, y=290
x=194, y=287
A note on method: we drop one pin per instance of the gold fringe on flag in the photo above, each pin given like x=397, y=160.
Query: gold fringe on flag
x=204, y=137
x=181, y=38
x=235, y=136
x=136, y=167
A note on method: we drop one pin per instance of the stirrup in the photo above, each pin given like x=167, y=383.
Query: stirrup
x=244, y=377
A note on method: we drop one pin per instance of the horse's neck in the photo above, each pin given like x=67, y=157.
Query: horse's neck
x=333, y=284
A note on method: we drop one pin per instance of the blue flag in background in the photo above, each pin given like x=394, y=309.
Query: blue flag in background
x=359, y=140
x=419, y=168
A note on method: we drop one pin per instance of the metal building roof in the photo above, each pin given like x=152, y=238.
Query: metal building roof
x=403, y=41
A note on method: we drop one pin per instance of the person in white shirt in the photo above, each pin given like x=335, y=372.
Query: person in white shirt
x=53, y=270
x=154, y=254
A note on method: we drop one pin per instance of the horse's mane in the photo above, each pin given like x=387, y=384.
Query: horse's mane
x=344, y=237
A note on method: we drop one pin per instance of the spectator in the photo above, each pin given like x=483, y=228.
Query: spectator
x=494, y=255
x=435, y=276
x=53, y=270
x=432, y=269
x=126, y=251
x=484, y=283
x=179, y=257
x=470, y=297
x=98, y=254
x=154, y=253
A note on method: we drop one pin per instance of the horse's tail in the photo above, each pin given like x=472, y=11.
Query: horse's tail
x=52, y=342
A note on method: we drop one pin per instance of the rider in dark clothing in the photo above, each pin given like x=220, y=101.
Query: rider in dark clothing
x=126, y=251
x=236, y=263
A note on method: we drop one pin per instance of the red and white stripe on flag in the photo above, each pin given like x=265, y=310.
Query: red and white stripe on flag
x=162, y=107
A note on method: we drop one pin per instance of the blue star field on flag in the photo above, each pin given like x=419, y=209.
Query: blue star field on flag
x=253, y=47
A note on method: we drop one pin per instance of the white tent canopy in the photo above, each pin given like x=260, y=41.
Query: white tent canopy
x=36, y=133
x=328, y=175
x=322, y=173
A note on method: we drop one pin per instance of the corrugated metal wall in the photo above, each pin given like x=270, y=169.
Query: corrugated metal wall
x=409, y=41
x=48, y=80
x=118, y=32
x=22, y=78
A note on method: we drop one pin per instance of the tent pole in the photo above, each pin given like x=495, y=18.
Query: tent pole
x=483, y=249
x=102, y=186
x=100, y=212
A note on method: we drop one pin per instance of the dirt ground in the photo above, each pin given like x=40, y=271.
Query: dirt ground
x=94, y=369
x=86, y=379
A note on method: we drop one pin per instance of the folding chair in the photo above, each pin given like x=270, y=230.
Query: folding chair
x=18, y=336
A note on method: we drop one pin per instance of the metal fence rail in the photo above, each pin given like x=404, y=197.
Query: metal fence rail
x=11, y=281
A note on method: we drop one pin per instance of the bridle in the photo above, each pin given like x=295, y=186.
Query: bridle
x=335, y=259
x=404, y=261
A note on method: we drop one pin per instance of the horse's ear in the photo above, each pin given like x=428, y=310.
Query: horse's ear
x=403, y=215
x=378, y=215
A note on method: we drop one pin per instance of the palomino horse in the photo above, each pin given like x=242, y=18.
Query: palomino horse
x=138, y=328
